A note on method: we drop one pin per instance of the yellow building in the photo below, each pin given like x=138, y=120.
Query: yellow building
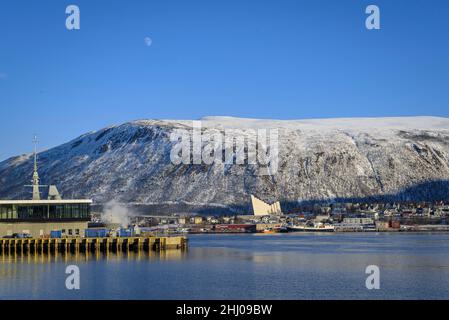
x=198, y=220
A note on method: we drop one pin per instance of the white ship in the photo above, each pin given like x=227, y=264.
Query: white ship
x=315, y=227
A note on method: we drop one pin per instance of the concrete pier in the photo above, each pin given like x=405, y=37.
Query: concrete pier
x=66, y=245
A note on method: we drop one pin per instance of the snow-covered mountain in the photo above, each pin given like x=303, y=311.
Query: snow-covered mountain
x=325, y=159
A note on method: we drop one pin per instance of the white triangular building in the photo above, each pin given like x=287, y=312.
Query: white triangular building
x=261, y=208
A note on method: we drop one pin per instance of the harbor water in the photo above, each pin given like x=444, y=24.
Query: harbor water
x=246, y=266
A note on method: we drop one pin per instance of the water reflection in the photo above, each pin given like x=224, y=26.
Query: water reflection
x=291, y=266
x=76, y=257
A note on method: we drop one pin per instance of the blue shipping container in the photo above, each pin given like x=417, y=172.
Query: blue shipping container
x=125, y=233
x=56, y=234
x=95, y=233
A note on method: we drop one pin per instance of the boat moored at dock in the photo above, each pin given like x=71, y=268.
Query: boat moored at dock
x=315, y=227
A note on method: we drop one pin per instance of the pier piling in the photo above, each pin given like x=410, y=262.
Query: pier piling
x=85, y=245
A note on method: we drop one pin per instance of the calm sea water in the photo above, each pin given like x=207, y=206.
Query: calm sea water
x=279, y=266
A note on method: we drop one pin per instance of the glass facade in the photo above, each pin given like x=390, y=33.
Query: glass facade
x=42, y=212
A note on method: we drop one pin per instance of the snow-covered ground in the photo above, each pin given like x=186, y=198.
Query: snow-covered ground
x=393, y=123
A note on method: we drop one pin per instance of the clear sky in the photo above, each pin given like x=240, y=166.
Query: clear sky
x=263, y=59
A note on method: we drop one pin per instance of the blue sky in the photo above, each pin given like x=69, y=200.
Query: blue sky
x=263, y=59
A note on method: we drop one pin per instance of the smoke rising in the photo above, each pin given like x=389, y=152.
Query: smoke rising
x=116, y=213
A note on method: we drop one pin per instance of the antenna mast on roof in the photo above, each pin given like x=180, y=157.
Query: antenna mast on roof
x=35, y=181
x=36, y=193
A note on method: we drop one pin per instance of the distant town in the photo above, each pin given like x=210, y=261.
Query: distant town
x=52, y=217
x=336, y=217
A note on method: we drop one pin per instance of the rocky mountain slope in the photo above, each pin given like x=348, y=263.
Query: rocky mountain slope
x=330, y=159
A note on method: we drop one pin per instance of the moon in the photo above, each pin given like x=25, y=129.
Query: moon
x=147, y=41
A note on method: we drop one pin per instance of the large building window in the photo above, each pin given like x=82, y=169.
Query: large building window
x=32, y=212
x=45, y=211
x=8, y=212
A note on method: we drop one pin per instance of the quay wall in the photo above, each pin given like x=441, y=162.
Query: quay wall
x=60, y=245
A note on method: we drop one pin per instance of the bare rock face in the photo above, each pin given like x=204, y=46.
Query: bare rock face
x=383, y=159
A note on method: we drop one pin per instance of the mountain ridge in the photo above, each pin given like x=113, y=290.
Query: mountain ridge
x=319, y=160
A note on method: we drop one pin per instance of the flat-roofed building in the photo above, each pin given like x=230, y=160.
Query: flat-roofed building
x=360, y=221
x=38, y=217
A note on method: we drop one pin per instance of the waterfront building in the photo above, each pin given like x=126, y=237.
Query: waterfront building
x=38, y=217
x=374, y=215
x=382, y=225
x=322, y=218
x=358, y=221
x=261, y=208
x=198, y=220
